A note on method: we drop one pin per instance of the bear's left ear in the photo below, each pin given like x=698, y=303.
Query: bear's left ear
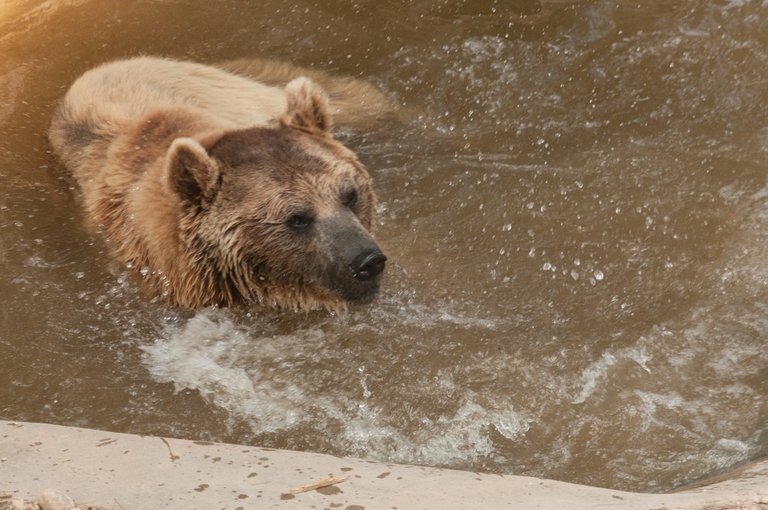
x=307, y=107
x=191, y=172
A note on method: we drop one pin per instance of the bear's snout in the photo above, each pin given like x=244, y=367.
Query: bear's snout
x=368, y=265
x=355, y=261
x=355, y=274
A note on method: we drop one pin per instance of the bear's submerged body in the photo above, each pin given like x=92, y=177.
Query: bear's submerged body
x=217, y=189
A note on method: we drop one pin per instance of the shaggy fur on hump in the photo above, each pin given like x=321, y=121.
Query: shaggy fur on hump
x=136, y=134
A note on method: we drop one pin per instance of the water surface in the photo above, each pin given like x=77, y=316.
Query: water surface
x=574, y=203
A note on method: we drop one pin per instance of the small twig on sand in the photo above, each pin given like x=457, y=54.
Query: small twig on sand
x=5, y=501
x=319, y=484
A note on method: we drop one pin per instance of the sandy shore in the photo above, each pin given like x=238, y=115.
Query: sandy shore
x=127, y=472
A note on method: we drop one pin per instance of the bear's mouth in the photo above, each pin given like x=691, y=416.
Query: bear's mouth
x=358, y=294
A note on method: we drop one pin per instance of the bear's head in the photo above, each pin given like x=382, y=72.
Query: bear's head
x=281, y=214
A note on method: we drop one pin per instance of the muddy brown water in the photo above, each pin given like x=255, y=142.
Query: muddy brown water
x=574, y=203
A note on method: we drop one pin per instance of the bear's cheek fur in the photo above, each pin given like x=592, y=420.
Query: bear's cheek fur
x=319, y=261
x=277, y=256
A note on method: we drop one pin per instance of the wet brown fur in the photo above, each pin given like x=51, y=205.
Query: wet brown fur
x=190, y=181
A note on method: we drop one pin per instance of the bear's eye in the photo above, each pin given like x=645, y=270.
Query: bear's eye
x=349, y=198
x=300, y=221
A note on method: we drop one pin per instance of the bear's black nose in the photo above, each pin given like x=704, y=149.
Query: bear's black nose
x=368, y=265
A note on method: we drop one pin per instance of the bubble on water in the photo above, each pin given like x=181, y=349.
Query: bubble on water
x=641, y=357
x=459, y=435
x=591, y=375
x=144, y=271
x=574, y=274
x=364, y=384
x=599, y=275
x=511, y=426
x=507, y=227
x=532, y=252
x=36, y=261
x=546, y=266
x=451, y=318
x=651, y=401
x=728, y=451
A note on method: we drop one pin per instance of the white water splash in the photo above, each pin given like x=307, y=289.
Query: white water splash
x=253, y=379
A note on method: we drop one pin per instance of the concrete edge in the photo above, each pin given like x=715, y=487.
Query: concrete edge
x=128, y=472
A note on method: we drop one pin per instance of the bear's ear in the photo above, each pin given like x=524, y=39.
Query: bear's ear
x=191, y=172
x=307, y=107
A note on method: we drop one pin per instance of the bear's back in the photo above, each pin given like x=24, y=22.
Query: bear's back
x=114, y=98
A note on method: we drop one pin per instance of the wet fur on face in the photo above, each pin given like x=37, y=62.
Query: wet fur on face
x=273, y=178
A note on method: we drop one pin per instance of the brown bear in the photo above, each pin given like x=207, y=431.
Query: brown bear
x=220, y=189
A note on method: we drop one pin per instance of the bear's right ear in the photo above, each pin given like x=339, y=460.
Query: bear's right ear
x=191, y=172
x=308, y=108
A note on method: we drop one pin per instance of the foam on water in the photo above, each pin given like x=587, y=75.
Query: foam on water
x=259, y=380
x=212, y=355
